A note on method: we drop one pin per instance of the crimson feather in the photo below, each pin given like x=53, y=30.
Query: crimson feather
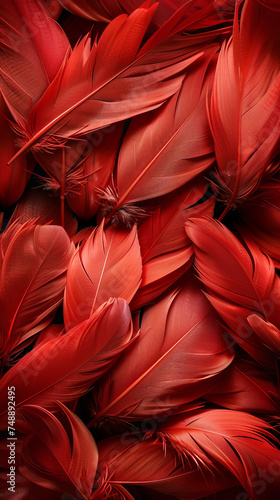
x=66, y=367
x=58, y=454
x=240, y=281
x=170, y=146
x=33, y=263
x=108, y=264
x=131, y=82
x=166, y=251
x=32, y=48
x=201, y=453
x=244, y=110
x=162, y=369
x=245, y=386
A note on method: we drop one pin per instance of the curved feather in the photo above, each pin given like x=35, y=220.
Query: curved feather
x=244, y=110
x=66, y=367
x=244, y=386
x=240, y=281
x=33, y=47
x=128, y=459
x=173, y=144
x=33, y=264
x=166, y=251
x=108, y=264
x=239, y=442
x=180, y=349
x=58, y=454
x=131, y=82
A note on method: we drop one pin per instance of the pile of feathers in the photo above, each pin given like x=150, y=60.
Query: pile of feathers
x=140, y=249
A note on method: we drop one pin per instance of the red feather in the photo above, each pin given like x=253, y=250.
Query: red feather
x=33, y=263
x=128, y=459
x=33, y=47
x=244, y=111
x=240, y=281
x=57, y=454
x=170, y=146
x=65, y=368
x=166, y=250
x=267, y=332
x=163, y=368
x=130, y=83
x=108, y=264
x=200, y=454
x=245, y=386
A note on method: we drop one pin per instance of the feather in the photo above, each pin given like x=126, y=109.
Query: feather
x=270, y=4
x=128, y=459
x=166, y=251
x=13, y=178
x=108, y=264
x=239, y=442
x=244, y=109
x=172, y=145
x=33, y=263
x=244, y=386
x=32, y=48
x=58, y=454
x=261, y=216
x=163, y=368
x=240, y=281
x=65, y=368
x=39, y=205
x=130, y=83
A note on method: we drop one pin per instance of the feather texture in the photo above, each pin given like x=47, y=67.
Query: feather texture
x=240, y=281
x=166, y=251
x=66, y=367
x=58, y=454
x=32, y=48
x=176, y=334
x=131, y=82
x=108, y=264
x=244, y=386
x=32, y=283
x=244, y=110
x=174, y=146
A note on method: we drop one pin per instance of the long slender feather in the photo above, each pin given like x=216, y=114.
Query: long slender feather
x=244, y=109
